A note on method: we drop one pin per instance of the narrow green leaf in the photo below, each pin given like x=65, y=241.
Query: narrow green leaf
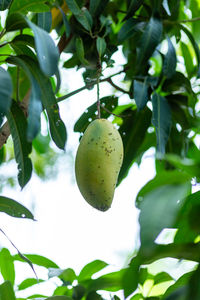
x=6, y=291
x=130, y=278
x=161, y=119
x=166, y=201
x=162, y=277
x=67, y=275
x=82, y=15
x=80, y=51
x=166, y=7
x=14, y=209
x=193, y=286
x=15, y=21
x=97, y=6
x=44, y=20
x=140, y=90
x=4, y=4
x=7, y=266
x=134, y=5
x=169, y=64
x=90, y=269
x=59, y=298
x=24, y=6
x=28, y=282
x=179, y=284
x=5, y=93
x=129, y=29
x=101, y=45
x=188, y=59
x=66, y=23
x=47, y=52
x=148, y=42
x=22, y=149
x=37, y=260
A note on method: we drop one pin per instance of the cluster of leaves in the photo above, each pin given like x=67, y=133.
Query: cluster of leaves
x=160, y=42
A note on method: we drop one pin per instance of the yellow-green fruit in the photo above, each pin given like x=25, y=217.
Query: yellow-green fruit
x=98, y=162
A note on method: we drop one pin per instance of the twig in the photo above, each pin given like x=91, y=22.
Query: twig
x=110, y=112
x=117, y=87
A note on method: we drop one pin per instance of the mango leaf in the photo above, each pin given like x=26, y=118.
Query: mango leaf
x=28, y=283
x=97, y=6
x=44, y=20
x=22, y=148
x=140, y=91
x=82, y=15
x=193, y=286
x=5, y=93
x=134, y=5
x=14, y=209
x=24, y=6
x=101, y=45
x=162, y=277
x=133, y=131
x=179, y=285
x=59, y=298
x=66, y=23
x=130, y=278
x=129, y=29
x=80, y=51
x=169, y=64
x=47, y=52
x=90, y=269
x=188, y=59
x=7, y=266
x=66, y=275
x=166, y=201
x=4, y=4
x=6, y=291
x=148, y=42
x=161, y=119
x=37, y=260
x=15, y=21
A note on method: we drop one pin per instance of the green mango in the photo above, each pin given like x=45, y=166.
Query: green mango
x=98, y=161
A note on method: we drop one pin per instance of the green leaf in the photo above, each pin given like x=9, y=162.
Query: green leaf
x=178, y=285
x=129, y=29
x=15, y=21
x=67, y=275
x=161, y=119
x=59, y=298
x=5, y=93
x=130, y=279
x=101, y=46
x=133, y=131
x=80, y=51
x=140, y=90
x=162, y=277
x=137, y=297
x=90, y=269
x=7, y=266
x=14, y=209
x=37, y=260
x=22, y=149
x=47, y=52
x=6, y=291
x=166, y=202
x=188, y=59
x=97, y=7
x=193, y=286
x=24, y=6
x=82, y=15
x=134, y=5
x=148, y=42
x=169, y=64
x=44, y=20
x=28, y=283
x=66, y=23
x=4, y=4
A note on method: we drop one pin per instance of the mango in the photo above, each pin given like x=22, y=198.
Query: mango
x=98, y=161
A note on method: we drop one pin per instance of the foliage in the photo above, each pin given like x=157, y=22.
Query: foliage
x=159, y=40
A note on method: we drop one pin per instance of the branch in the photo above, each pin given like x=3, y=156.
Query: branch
x=117, y=87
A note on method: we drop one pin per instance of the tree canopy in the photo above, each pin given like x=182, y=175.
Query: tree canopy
x=159, y=41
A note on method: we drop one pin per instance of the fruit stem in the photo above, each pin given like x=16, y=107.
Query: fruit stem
x=98, y=93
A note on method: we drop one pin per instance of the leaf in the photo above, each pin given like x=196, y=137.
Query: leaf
x=5, y=93
x=148, y=42
x=140, y=91
x=97, y=7
x=90, y=269
x=22, y=148
x=59, y=298
x=161, y=119
x=44, y=20
x=188, y=59
x=82, y=15
x=169, y=64
x=179, y=284
x=6, y=291
x=66, y=23
x=193, y=286
x=15, y=21
x=101, y=46
x=47, y=52
x=134, y=5
x=4, y=4
x=166, y=202
x=14, y=209
x=133, y=131
x=130, y=279
x=57, y=127
x=80, y=51
x=162, y=277
x=28, y=282
x=24, y=6
x=37, y=260
x=7, y=266
x=67, y=275
x=129, y=29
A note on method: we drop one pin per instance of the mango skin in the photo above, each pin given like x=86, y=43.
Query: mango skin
x=98, y=161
